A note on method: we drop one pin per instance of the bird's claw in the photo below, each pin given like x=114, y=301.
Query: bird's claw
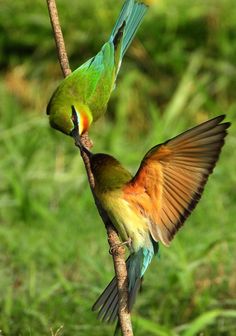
x=128, y=242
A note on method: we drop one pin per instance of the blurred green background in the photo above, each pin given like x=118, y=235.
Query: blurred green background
x=54, y=260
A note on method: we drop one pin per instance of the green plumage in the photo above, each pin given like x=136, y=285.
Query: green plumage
x=89, y=87
x=110, y=174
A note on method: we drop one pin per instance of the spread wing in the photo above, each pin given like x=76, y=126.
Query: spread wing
x=172, y=176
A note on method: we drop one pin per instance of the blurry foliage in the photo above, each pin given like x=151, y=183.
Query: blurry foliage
x=54, y=260
x=171, y=32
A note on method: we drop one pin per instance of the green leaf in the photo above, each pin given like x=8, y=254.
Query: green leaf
x=205, y=319
x=153, y=328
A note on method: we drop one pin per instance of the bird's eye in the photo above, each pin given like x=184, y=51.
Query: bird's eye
x=75, y=120
x=74, y=116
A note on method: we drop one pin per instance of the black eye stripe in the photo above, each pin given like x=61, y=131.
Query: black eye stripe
x=74, y=114
x=74, y=118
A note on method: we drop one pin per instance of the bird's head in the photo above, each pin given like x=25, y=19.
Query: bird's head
x=64, y=115
x=108, y=172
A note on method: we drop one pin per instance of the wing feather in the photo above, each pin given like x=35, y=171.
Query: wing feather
x=172, y=176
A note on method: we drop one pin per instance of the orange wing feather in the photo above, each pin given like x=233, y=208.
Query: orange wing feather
x=172, y=176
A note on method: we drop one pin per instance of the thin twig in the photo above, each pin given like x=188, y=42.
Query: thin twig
x=58, y=36
x=113, y=239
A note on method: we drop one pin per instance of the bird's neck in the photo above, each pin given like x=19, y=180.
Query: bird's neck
x=86, y=120
x=85, y=117
x=111, y=179
x=108, y=173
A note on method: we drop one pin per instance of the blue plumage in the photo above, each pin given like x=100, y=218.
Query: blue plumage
x=136, y=264
x=131, y=14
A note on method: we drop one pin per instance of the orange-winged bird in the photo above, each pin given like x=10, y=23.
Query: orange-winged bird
x=151, y=206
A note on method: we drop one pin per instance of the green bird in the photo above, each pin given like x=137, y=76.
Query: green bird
x=89, y=87
x=151, y=206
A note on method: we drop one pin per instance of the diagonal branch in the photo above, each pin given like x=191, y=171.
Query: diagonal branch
x=113, y=239
x=58, y=36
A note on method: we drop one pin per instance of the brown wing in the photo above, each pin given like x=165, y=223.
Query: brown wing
x=171, y=177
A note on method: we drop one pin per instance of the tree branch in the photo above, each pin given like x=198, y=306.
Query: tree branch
x=118, y=252
x=58, y=36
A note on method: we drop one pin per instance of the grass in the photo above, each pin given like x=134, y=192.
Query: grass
x=54, y=258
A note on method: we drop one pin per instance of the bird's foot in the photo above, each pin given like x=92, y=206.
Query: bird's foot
x=128, y=242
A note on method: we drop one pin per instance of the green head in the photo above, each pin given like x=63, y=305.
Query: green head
x=108, y=172
x=62, y=116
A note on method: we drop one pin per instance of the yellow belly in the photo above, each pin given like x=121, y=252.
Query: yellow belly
x=129, y=224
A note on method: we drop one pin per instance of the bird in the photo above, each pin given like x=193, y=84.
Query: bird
x=150, y=207
x=89, y=87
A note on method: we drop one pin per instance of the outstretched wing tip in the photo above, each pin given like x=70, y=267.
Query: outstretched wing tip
x=174, y=174
x=221, y=117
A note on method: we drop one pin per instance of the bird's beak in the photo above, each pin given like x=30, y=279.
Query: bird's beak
x=78, y=143
x=75, y=134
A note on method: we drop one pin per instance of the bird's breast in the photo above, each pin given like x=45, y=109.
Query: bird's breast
x=129, y=222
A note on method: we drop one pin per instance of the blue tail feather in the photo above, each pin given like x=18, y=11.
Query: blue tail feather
x=137, y=263
x=124, y=13
x=132, y=14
